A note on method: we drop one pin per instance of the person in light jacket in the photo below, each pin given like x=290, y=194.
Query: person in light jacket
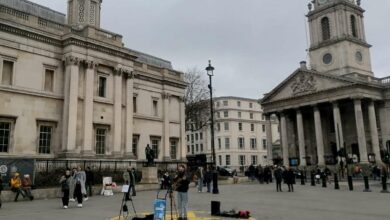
x=79, y=190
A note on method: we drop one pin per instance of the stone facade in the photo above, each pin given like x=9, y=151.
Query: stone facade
x=337, y=103
x=73, y=90
x=240, y=134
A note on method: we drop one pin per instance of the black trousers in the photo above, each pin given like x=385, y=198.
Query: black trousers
x=278, y=185
x=88, y=187
x=132, y=190
x=65, y=197
x=290, y=187
x=78, y=194
x=18, y=191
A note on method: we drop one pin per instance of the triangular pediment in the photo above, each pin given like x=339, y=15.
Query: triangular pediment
x=304, y=82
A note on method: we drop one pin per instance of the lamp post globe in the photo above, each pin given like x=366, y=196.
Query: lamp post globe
x=210, y=73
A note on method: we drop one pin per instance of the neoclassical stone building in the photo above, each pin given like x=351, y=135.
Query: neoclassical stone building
x=70, y=89
x=240, y=134
x=336, y=102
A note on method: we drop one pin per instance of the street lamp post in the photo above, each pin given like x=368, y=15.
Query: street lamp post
x=210, y=73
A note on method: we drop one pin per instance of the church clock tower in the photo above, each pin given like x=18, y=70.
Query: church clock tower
x=337, y=37
x=84, y=12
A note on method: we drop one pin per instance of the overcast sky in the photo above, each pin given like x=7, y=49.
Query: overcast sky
x=253, y=44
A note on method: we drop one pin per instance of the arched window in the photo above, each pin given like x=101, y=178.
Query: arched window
x=325, y=28
x=353, y=26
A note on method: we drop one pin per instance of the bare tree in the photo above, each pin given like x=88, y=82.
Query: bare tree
x=196, y=99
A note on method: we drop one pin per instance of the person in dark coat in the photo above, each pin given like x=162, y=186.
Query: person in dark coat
x=1, y=189
x=208, y=178
x=278, y=177
x=289, y=178
x=89, y=182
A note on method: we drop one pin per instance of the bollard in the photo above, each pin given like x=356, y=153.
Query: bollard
x=384, y=184
x=336, y=181
x=323, y=178
x=350, y=184
x=302, y=179
x=366, y=185
x=313, y=182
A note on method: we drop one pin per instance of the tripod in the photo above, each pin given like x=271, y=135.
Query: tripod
x=171, y=201
x=124, y=209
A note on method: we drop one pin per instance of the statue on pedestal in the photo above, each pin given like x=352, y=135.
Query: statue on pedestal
x=150, y=155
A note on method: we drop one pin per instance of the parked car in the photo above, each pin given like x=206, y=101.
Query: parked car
x=226, y=171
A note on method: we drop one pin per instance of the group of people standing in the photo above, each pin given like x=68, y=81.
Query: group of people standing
x=284, y=174
x=203, y=177
x=74, y=185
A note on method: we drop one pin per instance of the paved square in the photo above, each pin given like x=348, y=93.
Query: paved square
x=306, y=202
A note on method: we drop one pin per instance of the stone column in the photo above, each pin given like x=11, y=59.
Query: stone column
x=183, y=144
x=338, y=126
x=88, y=109
x=319, y=137
x=283, y=125
x=301, y=138
x=360, y=131
x=70, y=105
x=268, y=130
x=374, y=131
x=117, y=149
x=129, y=115
x=166, y=141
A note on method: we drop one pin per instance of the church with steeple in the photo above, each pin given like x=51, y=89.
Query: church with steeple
x=332, y=108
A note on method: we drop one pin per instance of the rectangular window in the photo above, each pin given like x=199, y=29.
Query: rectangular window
x=201, y=147
x=101, y=141
x=218, y=127
x=262, y=117
x=263, y=128
x=238, y=103
x=264, y=144
x=227, y=143
x=188, y=149
x=251, y=115
x=225, y=103
x=192, y=149
x=155, y=107
x=196, y=136
x=173, y=149
x=217, y=104
x=45, y=134
x=5, y=136
x=250, y=105
x=197, y=147
x=241, y=159
x=8, y=71
x=227, y=160
x=220, y=160
x=201, y=136
x=241, y=143
x=102, y=86
x=240, y=126
x=225, y=114
x=218, y=115
x=192, y=138
x=49, y=80
x=252, y=127
x=239, y=114
x=135, y=145
x=254, y=159
x=134, y=104
x=155, y=146
x=253, y=143
x=226, y=125
x=219, y=144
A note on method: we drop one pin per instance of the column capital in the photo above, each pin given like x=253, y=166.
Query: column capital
x=91, y=64
x=119, y=70
x=72, y=60
x=165, y=95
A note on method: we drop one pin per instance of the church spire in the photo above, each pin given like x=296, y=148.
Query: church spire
x=337, y=37
x=84, y=12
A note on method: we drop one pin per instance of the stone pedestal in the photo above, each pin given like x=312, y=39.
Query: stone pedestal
x=149, y=175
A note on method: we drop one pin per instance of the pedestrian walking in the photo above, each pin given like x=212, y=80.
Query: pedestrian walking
x=278, y=177
x=289, y=178
x=133, y=180
x=1, y=189
x=79, y=190
x=200, y=177
x=181, y=184
x=89, y=181
x=66, y=183
x=260, y=174
x=26, y=185
x=129, y=179
x=16, y=186
x=208, y=178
